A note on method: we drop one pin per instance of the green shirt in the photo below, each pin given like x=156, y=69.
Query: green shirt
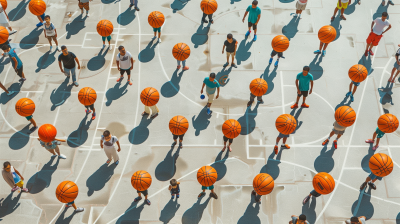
x=304, y=81
x=253, y=13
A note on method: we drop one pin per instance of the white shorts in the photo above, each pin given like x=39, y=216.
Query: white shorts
x=210, y=98
x=300, y=6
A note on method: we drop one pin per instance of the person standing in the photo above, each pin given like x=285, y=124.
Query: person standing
x=231, y=46
x=356, y=220
x=174, y=188
x=107, y=143
x=301, y=219
x=5, y=21
x=50, y=32
x=68, y=59
x=254, y=16
x=341, y=5
x=84, y=4
x=377, y=31
x=13, y=177
x=303, y=81
x=134, y=2
x=396, y=67
x=53, y=146
x=16, y=62
x=211, y=84
x=124, y=63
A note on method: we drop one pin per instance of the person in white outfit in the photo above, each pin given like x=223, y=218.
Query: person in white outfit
x=107, y=143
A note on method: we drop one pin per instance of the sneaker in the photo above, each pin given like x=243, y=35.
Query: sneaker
x=335, y=144
x=276, y=63
x=317, y=52
x=177, y=196
x=247, y=33
x=51, y=47
x=53, y=155
x=332, y=18
x=305, y=105
x=270, y=60
x=10, y=93
x=110, y=47
x=180, y=144
x=348, y=94
x=204, y=21
x=294, y=106
x=351, y=98
x=369, y=141
x=325, y=142
x=108, y=161
x=76, y=83
x=130, y=5
x=129, y=82
x=185, y=68
x=366, y=54
x=233, y=65
x=103, y=46
x=159, y=40
x=208, y=111
x=33, y=129
x=14, y=31
x=39, y=24
x=79, y=209
x=214, y=195
x=25, y=190
x=173, y=197
x=323, y=53
x=201, y=194
x=137, y=199
x=144, y=114
x=93, y=116
x=148, y=202
x=223, y=149
x=178, y=67
x=120, y=79
x=154, y=116
x=226, y=64
x=116, y=163
x=137, y=9
x=255, y=38
x=260, y=101
x=286, y=146
x=375, y=147
x=342, y=17
x=372, y=185
x=371, y=53
x=62, y=156
x=173, y=144
x=14, y=189
x=306, y=199
x=154, y=37
x=276, y=149
x=88, y=111
x=68, y=205
x=230, y=149
x=22, y=80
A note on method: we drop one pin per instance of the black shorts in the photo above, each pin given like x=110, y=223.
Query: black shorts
x=19, y=71
x=145, y=193
x=90, y=107
x=122, y=71
x=178, y=136
x=273, y=53
x=303, y=93
x=226, y=139
x=252, y=24
x=315, y=194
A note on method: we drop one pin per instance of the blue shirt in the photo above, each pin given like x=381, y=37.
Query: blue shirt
x=12, y=54
x=253, y=13
x=52, y=145
x=210, y=86
x=304, y=81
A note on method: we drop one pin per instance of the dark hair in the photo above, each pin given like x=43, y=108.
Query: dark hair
x=306, y=68
x=229, y=36
x=46, y=16
x=120, y=47
x=384, y=14
x=354, y=219
x=212, y=75
x=255, y=3
x=173, y=182
x=63, y=47
x=106, y=133
x=302, y=217
x=5, y=164
x=5, y=47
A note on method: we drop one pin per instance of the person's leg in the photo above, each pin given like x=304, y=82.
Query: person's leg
x=49, y=39
x=325, y=46
x=377, y=142
x=354, y=90
x=184, y=65
x=350, y=87
x=73, y=73
x=52, y=151
x=230, y=143
x=227, y=57
x=319, y=49
x=284, y=140
x=334, y=12
x=304, y=100
x=73, y=205
x=210, y=18
x=146, y=110
x=115, y=155
x=56, y=41
x=33, y=122
x=342, y=11
x=391, y=75
x=128, y=72
x=329, y=137
x=179, y=64
x=57, y=150
x=252, y=97
x=108, y=153
x=204, y=18
x=159, y=34
x=138, y=198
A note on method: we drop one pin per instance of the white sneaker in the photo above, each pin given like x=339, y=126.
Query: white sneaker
x=62, y=156
x=57, y=49
x=53, y=156
x=12, y=32
x=79, y=209
x=159, y=40
x=110, y=47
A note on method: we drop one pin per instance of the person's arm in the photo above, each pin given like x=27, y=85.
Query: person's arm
x=170, y=187
x=297, y=86
x=101, y=143
x=119, y=147
x=234, y=53
x=16, y=171
x=223, y=48
x=390, y=26
x=60, y=140
x=312, y=84
x=217, y=93
x=59, y=64
x=44, y=31
x=245, y=14
x=55, y=32
x=258, y=19
x=372, y=25
x=77, y=61
x=397, y=59
x=118, y=65
x=131, y=63
x=15, y=62
x=202, y=88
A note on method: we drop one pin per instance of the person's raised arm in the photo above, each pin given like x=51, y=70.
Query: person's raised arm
x=60, y=140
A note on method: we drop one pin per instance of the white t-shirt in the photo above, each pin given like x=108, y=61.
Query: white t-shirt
x=344, y=1
x=338, y=126
x=124, y=61
x=50, y=29
x=3, y=18
x=113, y=140
x=302, y=2
x=380, y=25
x=362, y=220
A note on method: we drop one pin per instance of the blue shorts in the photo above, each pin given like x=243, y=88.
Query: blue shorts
x=29, y=117
x=373, y=176
x=356, y=83
x=282, y=135
x=379, y=133
x=208, y=188
x=108, y=38
x=157, y=29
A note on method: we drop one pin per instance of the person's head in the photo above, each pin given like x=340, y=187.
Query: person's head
x=106, y=133
x=229, y=37
x=64, y=50
x=254, y=4
x=121, y=50
x=384, y=16
x=47, y=18
x=302, y=218
x=7, y=166
x=306, y=69
x=173, y=183
x=5, y=48
x=212, y=76
x=354, y=220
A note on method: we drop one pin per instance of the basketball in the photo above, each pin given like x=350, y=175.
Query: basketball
x=156, y=19
x=258, y=87
x=323, y=183
x=3, y=34
x=381, y=164
x=208, y=6
x=280, y=43
x=67, y=191
x=25, y=107
x=149, y=96
x=47, y=132
x=3, y=4
x=207, y=176
x=105, y=28
x=37, y=7
x=178, y=125
x=87, y=96
x=231, y=128
x=327, y=34
x=263, y=184
x=286, y=124
x=358, y=73
x=345, y=116
x=141, y=180
x=388, y=123
x=181, y=51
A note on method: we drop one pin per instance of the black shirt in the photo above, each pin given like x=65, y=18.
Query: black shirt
x=68, y=60
x=230, y=47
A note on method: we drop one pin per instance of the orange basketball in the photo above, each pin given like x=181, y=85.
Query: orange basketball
x=178, y=125
x=231, y=128
x=47, y=132
x=141, y=180
x=388, y=123
x=67, y=191
x=286, y=124
x=263, y=184
x=87, y=96
x=323, y=183
x=280, y=43
x=156, y=19
x=208, y=6
x=3, y=4
x=207, y=176
x=345, y=116
x=358, y=73
x=327, y=34
x=105, y=28
x=25, y=107
x=37, y=7
x=3, y=34
x=258, y=87
x=381, y=164
x=149, y=96
x=181, y=51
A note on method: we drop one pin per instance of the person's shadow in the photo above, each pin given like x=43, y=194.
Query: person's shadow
x=272, y=166
x=9, y=204
x=166, y=169
x=366, y=61
x=380, y=10
x=219, y=164
x=169, y=211
x=386, y=94
x=247, y=121
x=140, y=133
x=19, y=11
x=201, y=35
x=80, y=135
x=251, y=215
x=131, y=215
x=363, y=206
x=193, y=215
x=365, y=160
x=115, y=92
x=178, y=5
x=269, y=77
x=75, y=26
x=337, y=26
x=242, y=52
x=201, y=122
x=4, y=61
x=98, y=179
x=223, y=76
x=308, y=209
x=62, y=220
x=296, y=116
x=45, y=61
x=290, y=30
x=398, y=218
x=315, y=68
x=351, y=8
x=171, y=88
x=42, y=179
x=31, y=39
x=20, y=138
x=233, y=1
x=60, y=95
x=324, y=162
x=148, y=53
x=109, y=1
x=16, y=87
x=126, y=17
x=97, y=62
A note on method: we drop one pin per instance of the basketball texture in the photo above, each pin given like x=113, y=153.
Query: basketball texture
x=105, y=28
x=280, y=43
x=87, y=96
x=345, y=116
x=327, y=34
x=67, y=191
x=381, y=164
x=178, y=125
x=156, y=19
x=263, y=184
x=3, y=34
x=358, y=73
x=141, y=180
x=3, y=4
x=208, y=6
x=150, y=96
x=25, y=107
x=231, y=128
x=286, y=124
x=181, y=51
x=323, y=183
x=207, y=176
x=388, y=123
x=37, y=7
x=258, y=87
x=47, y=132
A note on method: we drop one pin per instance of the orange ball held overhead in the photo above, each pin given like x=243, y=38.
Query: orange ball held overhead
x=25, y=107
x=358, y=73
x=178, y=125
x=47, y=133
x=105, y=28
x=67, y=191
x=388, y=123
x=263, y=184
x=207, y=176
x=181, y=51
x=156, y=19
x=231, y=128
x=208, y=6
x=323, y=183
x=327, y=34
x=280, y=43
x=4, y=4
x=3, y=34
x=345, y=116
x=381, y=164
x=258, y=87
x=141, y=180
x=150, y=96
x=286, y=124
x=87, y=96
x=37, y=7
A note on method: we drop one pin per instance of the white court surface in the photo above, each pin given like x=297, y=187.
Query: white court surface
x=106, y=192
